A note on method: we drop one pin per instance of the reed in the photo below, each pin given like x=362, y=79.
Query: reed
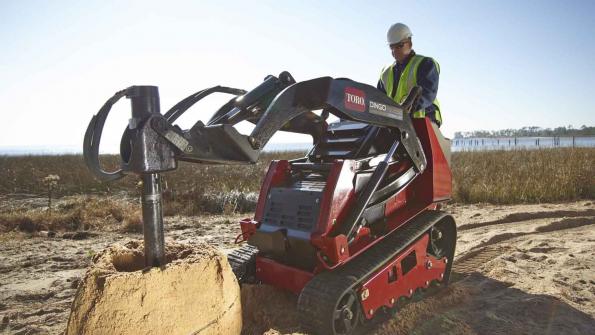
x=503, y=177
x=524, y=176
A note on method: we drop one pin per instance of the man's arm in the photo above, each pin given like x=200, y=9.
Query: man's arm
x=427, y=78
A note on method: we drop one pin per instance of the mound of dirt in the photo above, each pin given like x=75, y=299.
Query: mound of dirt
x=196, y=292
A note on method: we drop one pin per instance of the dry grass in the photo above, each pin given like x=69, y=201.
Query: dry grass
x=504, y=177
x=195, y=202
x=24, y=174
x=79, y=213
x=192, y=189
x=524, y=176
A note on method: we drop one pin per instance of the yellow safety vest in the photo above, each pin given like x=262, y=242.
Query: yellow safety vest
x=407, y=81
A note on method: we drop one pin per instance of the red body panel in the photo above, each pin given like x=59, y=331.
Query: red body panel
x=388, y=284
x=395, y=203
x=282, y=276
x=428, y=189
x=436, y=181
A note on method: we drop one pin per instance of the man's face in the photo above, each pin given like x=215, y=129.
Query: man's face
x=401, y=50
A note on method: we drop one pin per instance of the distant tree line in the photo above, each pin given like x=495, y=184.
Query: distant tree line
x=529, y=131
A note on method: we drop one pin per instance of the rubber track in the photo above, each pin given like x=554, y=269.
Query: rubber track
x=319, y=297
x=240, y=261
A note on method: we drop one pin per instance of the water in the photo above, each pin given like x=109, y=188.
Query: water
x=511, y=143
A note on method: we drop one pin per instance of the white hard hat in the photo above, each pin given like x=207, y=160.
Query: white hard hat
x=397, y=32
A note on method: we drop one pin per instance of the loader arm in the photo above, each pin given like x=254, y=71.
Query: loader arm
x=345, y=99
x=218, y=142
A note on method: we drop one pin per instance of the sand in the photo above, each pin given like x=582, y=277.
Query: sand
x=523, y=269
x=195, y=293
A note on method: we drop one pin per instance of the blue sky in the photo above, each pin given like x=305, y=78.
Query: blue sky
x=504, y=64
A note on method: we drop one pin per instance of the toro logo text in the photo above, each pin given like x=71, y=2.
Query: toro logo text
x=355, y=99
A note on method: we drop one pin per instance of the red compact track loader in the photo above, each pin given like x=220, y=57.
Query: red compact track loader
x=353, y=228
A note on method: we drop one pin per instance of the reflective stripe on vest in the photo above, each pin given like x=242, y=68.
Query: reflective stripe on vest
x=407, y=81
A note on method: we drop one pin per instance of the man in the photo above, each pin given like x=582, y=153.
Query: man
x=410, y=70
